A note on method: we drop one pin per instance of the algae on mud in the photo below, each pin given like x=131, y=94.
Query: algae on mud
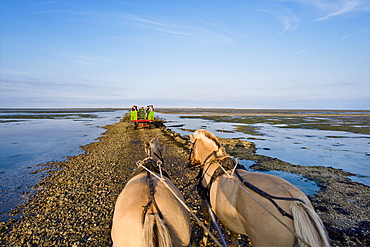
x=336, y=123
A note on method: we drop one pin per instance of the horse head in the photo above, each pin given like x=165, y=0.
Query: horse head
x=154, y=149
x=205, y=147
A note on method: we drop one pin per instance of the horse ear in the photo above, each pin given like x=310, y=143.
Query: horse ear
x=159, y=144
x=221, y=151
x=192, y=139
x=147, y=148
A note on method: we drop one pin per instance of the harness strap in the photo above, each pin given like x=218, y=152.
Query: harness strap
x=272, y=214
x=192, y=167
x=214, y=153
x=151, y=199
x=228, y=165
x=258, y=191
x=184, y=205
x=268, y=196
x=159, y=156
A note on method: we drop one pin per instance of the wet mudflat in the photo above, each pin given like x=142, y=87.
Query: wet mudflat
x=338, y=139
x=74, y=205
x=36, y=136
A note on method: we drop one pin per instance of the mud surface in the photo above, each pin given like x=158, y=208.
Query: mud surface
x=74, y=205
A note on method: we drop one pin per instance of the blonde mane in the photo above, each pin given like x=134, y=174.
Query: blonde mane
x=210, y=139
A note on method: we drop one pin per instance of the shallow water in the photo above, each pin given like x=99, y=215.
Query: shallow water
x=308, y=187
x=31, y=137
x=307, y=147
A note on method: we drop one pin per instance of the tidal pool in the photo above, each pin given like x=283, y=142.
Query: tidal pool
x=300, y=146
x=31, y=137
x=307, y=186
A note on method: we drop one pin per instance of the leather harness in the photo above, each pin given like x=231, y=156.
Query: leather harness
x=228, y=164
x=151, y=165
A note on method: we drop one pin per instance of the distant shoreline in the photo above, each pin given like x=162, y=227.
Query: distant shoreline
x=179, y=109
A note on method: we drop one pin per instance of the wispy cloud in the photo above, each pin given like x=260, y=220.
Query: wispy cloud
x=37, y=83
x=173, y=28
x=343, y=38
x=47, y=2
x=136, y=18
x=82, y=58
x=289, y=21
x=15, y=72
x=337, y=8
x=82, y=62
x=331, y=8
x=365, y=30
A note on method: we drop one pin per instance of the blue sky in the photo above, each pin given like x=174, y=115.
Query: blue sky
x=310, y=54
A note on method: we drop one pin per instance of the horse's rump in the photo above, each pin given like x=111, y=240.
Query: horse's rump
x=129, y=212
x=242, y=214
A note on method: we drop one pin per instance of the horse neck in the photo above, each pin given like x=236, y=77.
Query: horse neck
x=208, y=171
x=207, y=153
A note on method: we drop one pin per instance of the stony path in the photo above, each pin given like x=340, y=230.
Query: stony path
x=75, y=205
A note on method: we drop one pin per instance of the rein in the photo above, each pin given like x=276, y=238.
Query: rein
x=162, y=180
x=152, y=170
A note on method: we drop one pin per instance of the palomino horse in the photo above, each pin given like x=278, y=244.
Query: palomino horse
x=262, y=206
x=146, y=212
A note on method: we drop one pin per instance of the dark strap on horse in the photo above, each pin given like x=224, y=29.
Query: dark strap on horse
x=269, y=197
x=204, y=191
x=152, y=165
x=159, y=156
x=151, y=199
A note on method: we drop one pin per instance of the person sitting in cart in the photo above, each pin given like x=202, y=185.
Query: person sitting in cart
x=141, y=114
x=150, y=112
x=134, y=112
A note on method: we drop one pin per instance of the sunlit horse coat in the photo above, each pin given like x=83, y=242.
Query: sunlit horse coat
x=238, y=211
x=139, y=222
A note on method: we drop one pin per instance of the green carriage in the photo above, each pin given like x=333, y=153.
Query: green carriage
x=142, y=117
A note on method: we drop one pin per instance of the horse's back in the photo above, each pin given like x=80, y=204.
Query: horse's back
x=127, y=227
x=176, y=216
x=273, y=185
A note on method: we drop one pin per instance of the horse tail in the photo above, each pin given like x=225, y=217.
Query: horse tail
x=308, y=225
x=155, y=232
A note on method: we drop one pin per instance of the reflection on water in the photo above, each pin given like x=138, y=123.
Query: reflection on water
x=31, y=137
x=306, y=147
